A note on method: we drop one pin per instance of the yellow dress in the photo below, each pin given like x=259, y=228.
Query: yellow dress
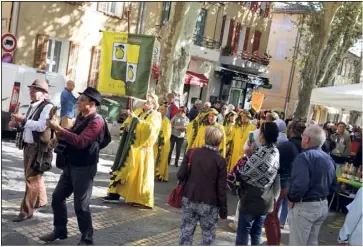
x=199, y=140
x=189, y=134
x=161, y=152
x=135, y=180
x=228, y=131
x=239, y=136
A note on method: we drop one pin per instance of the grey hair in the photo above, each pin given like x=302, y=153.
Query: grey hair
x=274, y=116
x=213, y=136
x=208, y=103
x=316, y=134
x=198, y=102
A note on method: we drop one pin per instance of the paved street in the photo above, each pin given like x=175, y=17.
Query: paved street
x=114, y=224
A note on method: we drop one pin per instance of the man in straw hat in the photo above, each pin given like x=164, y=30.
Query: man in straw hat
x=133, y=169
x=33, y=125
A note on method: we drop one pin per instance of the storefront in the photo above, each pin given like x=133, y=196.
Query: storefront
x=236, y=86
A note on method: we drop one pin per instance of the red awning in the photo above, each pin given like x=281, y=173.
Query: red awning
x=195, y=79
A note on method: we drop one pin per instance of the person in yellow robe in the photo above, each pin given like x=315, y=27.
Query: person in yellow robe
x=162, y=147
x=239, y=135
x=228, y=123
x=192, y=129
x=210, y=119
x=133, y=169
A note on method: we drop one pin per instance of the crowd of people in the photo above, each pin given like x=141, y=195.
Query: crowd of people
x=281, y=171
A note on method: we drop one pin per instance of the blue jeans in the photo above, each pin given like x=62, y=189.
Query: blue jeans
x=249, y=225
x=283, y=205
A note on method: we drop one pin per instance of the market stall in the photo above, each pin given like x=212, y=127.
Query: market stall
x=348, y=97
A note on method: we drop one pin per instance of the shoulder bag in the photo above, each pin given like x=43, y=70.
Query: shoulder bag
x=175, y=197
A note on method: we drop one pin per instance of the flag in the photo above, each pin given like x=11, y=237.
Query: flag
x=126, y=61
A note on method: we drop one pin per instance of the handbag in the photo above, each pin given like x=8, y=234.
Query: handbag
x=175, y=197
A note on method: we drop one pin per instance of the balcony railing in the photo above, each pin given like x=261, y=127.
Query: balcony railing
x=206, y=42
x=255, y=57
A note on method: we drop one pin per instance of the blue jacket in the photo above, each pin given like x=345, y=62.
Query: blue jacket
x=68, y=103
x=313, y=176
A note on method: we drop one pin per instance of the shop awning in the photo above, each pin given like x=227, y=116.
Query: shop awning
x=195, y=79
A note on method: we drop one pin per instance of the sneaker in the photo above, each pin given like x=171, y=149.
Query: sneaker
x=111, y=199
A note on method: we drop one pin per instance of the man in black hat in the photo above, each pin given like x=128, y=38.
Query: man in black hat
x=82, y=153
x=32, y=127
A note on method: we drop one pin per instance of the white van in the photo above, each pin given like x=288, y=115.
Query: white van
x=14, y=89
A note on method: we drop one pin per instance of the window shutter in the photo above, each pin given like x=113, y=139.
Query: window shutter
x=256, y=41
x=72, y=60
x=245, y=45
x=222, y=30
x=102, y=6
x=41, y=51
x=94, y=68
x=267, y=11
x=254, y=6
x=236, y=38
x=230, y=33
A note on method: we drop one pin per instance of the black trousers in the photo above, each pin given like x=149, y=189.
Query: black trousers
x=179, y=144
x=77, y=180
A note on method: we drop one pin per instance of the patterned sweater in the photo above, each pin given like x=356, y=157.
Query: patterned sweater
x=261, y=169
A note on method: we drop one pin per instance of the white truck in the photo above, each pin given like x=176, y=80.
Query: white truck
x=14, y=89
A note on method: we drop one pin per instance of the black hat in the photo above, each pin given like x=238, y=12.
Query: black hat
x=93, y=94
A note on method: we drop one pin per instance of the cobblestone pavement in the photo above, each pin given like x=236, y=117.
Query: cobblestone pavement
x=114, y=224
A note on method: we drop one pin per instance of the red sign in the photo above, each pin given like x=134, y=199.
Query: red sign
x=7, y=58
x=8, y=42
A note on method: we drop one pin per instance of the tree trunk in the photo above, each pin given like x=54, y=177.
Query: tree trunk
x=320, y=25
x=176, y=40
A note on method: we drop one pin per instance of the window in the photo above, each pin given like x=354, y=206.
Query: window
x=166, y=12
x=256, y=41
x=199, y=27
x=276, y=81
x=287, y=23
x=54, y=55
x=113, y=8
x=281, y=50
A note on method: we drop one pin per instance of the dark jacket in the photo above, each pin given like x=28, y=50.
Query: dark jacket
x=358, y=157
x=193, y=113
x=207, y=178
x=288, y=152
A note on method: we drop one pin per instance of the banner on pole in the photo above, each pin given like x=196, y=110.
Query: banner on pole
x=257, y=100
x=126, y=61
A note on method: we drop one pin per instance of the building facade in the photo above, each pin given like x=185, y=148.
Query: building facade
x=228, y=51
x=65, y=37
x=284, y=44
x=6, y=9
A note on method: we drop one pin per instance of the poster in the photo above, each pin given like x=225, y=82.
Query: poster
x=257, y=100
x=126, y=61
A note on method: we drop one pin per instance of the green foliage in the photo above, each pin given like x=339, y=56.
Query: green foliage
x=326, y=35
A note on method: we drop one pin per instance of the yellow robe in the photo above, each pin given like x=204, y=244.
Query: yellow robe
x=239, y=137
x=161, y=166
x=135, y=180
x=199, y=140
x=189, y=134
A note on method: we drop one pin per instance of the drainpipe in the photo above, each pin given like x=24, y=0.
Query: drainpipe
x=13, y=25
x=292, y=71
x=141, y=17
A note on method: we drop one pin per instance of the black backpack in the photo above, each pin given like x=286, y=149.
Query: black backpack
x=106, y=138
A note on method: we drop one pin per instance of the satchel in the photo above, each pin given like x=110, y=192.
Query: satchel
x=43, y=161
x=175, y=197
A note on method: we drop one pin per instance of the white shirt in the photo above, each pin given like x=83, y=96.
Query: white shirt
x=32, y=125
x=352, y=228
x=220, y=118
